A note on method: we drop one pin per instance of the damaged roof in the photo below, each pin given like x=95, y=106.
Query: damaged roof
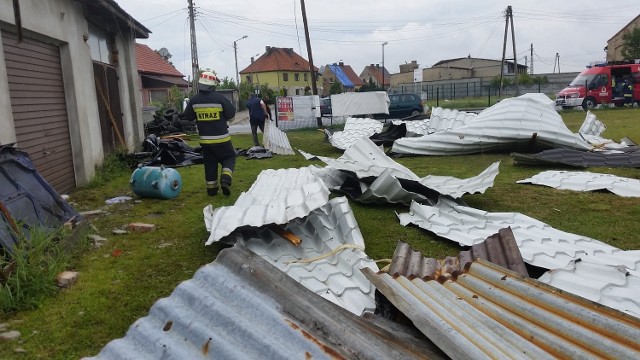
x=327, y=260
x=277, y=318
x=530, y=119
x=354, y=130
x=579, y=158
x=276, y=140
x=500, y=249
x=586, y=181
x=489, y=312
x=276, y=197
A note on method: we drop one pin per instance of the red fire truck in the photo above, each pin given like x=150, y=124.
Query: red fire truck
x=593, y=86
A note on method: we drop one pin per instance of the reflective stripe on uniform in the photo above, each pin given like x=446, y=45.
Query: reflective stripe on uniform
x=207, y=112
x=214, y=139
x=212, y=184
x=225, y=138
x=227, y=171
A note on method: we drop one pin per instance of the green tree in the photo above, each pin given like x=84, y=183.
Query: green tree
x=525, y=79
x=370, y=86
x=540, y=80
x=227, y=83
x=336, y=88
x=631, y=44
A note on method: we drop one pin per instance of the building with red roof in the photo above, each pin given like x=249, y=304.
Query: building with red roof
x=344, y=74
x=157, y=76
x=280, y=69
x=375, y=73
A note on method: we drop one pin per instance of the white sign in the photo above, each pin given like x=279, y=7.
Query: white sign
x=417, y=75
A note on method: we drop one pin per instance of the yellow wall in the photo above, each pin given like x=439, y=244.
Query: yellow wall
x=615, y=44
x=275, y=80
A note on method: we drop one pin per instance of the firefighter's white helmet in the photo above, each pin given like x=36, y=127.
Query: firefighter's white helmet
x=208, y=78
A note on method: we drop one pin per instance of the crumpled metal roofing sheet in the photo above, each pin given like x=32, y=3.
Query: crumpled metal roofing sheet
x=511, y=122
x=276, y=197
x=586, y=181
x=579, y=158
x=26, y=198
x=591, y=125
x=276, y=140
x=441, y=120
x=492, y=313
x=613, y=286
x=539, y=243
x=500, y=249
x=354, y=130
x=324, y=231
x=241, y=307
x=366, y=161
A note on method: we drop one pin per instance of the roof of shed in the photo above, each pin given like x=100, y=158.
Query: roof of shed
x=151, y=62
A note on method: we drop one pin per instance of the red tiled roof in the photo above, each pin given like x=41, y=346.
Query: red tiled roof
x=375, y=71
x=151, y=62
x=278, y=59
x=351, y=75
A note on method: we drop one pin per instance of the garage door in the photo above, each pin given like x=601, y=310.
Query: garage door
x=39, y=108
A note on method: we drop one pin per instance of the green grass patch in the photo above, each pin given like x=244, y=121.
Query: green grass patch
x=29, y=271
x=121, y=280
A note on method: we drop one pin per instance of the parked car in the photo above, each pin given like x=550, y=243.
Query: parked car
x=403, y=105
x=325, y=107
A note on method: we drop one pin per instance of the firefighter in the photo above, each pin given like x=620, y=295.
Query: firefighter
x=212, y=110
x=627, y=91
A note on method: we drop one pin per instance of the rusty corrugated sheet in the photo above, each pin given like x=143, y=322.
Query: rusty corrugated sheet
x=499, y=248
x=241, y=307
x=489, y=312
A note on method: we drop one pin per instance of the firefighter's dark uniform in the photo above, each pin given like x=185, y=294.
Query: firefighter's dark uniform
x=211, y=110
x=627, y=90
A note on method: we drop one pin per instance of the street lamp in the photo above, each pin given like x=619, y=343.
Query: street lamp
x=383, y=44
x=235, y=52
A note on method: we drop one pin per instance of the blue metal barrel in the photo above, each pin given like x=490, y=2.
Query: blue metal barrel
x=156, y=182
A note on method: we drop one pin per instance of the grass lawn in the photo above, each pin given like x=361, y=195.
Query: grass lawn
x=113, y=291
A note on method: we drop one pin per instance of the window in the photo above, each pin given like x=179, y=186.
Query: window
x=330, y=80
x=296, y=77
x=98, y=44
x=159, y=96
x=285, y=76
x=249, y=79
x=297, y=91
x=306, y=77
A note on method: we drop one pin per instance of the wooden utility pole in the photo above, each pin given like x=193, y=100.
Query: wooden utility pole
x=195, y=69
x=314, y=87
x=509, y=19
x=556, y=62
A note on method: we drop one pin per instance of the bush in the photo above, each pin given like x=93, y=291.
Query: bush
x=29, y=271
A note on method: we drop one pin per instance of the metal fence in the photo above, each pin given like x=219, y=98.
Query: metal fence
x=477, y=87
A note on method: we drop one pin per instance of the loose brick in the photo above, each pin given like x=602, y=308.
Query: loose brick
x=141, y=227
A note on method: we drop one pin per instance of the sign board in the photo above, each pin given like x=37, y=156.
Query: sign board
x=284, y=108
x=417, y=75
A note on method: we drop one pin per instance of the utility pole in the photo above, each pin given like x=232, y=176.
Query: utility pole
x=509, y=18
x=314, y=86
x=531, y=59
x=235, y=53
x=195, y=69
x=556, y=62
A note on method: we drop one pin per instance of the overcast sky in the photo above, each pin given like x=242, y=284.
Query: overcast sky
x=353, y=31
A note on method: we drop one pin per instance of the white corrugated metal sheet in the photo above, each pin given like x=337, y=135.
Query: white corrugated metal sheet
x=354, y=130
x=586, y=181
x=331, y=228
x=613, y=286
x=241, y=307
x=276, y=140
x=520, y=120
x=441, y=120
x=540, y=244
x=489, y=312
x=591, y=125
x=360, y=103
x=276, y=197
x=367, y=161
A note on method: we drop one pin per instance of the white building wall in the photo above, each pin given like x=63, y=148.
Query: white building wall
x=62, y=22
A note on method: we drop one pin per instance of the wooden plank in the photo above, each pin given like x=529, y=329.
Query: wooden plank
x=42, y=139
x=40, y=108
x=32, y=118
x=44, y=85
x=33, y=101
x=44, y=94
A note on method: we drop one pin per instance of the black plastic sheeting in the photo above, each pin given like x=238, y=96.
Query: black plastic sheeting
x=172, y=152
x=26, y=199
x=577, y=158
x=390, y=134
